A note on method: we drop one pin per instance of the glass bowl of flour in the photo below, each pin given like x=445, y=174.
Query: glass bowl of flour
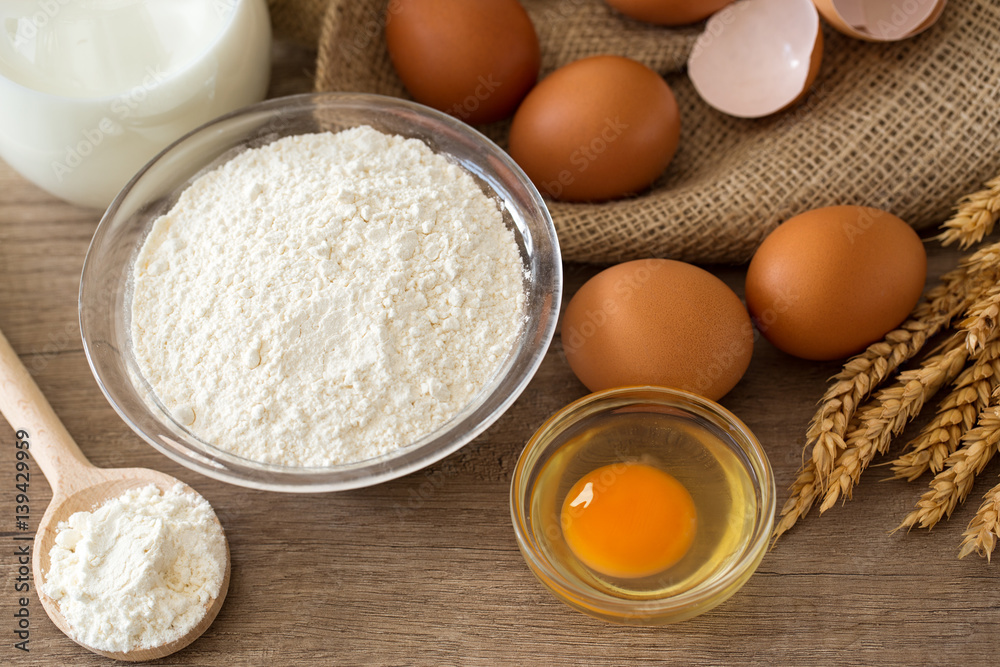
x=320, y=292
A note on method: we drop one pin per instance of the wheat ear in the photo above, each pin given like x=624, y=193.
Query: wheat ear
x=887, y=415
x=976, y=216
x=951, y=486
x=985, y=261
x=984, y=529
x=829, y=425
x=862, y=375
x=957, y=414
x=982, y=319
x=804, y=492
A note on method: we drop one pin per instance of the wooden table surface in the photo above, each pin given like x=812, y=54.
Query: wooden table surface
x=425, y=569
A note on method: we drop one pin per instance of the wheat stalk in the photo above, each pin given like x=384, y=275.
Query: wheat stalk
x=854, y=383
x=888, y=414
x=982, y=319
x=976, y=216
x=951, y=486
x=956, y=414
x=985, y=260
x=804, y=492
x=834, y=453
x=984, y=529
x=862, y=375
x=844, y=438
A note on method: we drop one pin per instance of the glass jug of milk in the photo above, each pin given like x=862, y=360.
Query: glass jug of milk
x=90, y=90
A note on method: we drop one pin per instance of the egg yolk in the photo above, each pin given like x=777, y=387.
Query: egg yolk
x=628, y=520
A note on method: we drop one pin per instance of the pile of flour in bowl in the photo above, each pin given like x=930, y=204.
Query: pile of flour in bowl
x=326, y=298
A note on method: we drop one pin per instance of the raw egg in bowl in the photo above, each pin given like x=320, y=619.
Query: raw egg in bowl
x=643, y=505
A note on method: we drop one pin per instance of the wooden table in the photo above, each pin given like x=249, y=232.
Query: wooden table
x=425, y=569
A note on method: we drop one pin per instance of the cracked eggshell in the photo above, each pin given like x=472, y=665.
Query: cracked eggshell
x=881, y=20
x=757, y=57
x=668, y=12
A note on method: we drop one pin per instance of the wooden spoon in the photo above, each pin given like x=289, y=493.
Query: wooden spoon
x=77, y=486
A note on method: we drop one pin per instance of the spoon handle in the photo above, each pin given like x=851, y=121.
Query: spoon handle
x=25, y=408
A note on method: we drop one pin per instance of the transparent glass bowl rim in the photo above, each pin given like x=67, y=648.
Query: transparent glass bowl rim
x=689, y=603
x=471, y=421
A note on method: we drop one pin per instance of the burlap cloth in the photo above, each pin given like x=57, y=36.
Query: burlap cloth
x=908, y=127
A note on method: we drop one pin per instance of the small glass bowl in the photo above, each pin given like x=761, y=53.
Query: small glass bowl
x=105, y=287
x=543, y=475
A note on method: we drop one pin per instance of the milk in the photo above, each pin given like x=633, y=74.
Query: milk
x=90, y=90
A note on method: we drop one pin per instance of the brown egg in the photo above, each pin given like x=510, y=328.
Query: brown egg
x=659, y=322
x=474, y=60
x=596, y=129
x=827, y=283
x=668, y=12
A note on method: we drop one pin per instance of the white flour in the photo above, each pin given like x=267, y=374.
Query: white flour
x=326, y=298
x=139, y=571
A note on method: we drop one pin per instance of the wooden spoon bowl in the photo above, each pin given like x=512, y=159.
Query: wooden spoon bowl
x=97, y=486
x=78, y=486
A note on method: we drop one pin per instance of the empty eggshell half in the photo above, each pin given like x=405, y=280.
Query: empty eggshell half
x=881, y=20
x=757, y=57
